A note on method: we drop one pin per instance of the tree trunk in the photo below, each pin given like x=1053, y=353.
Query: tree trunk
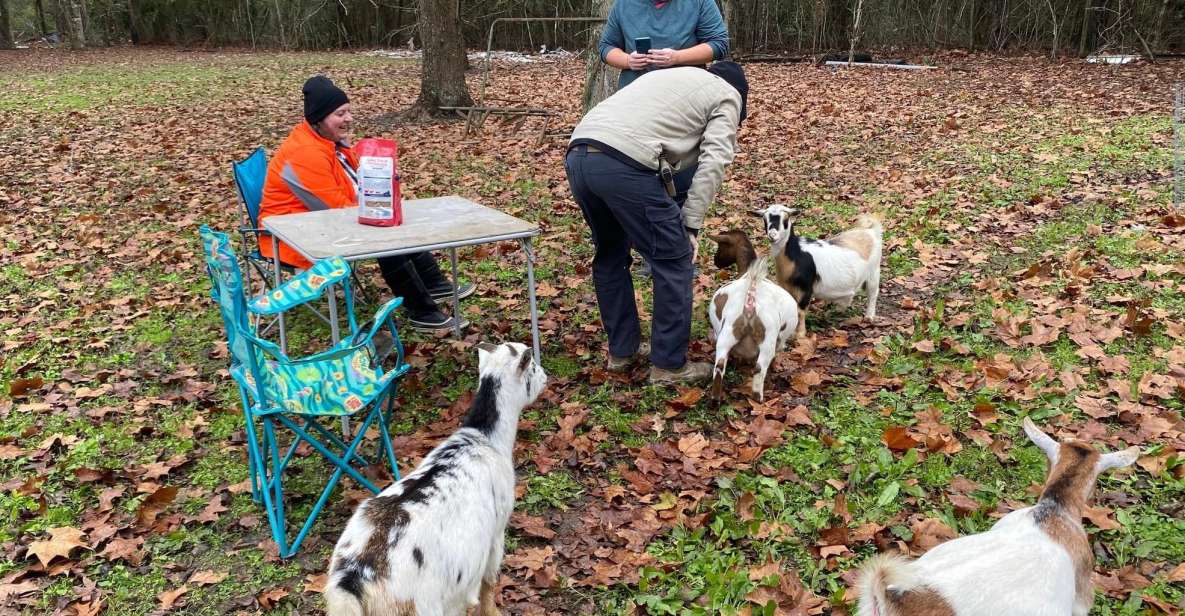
x=442, y=76
x=1158, y=34
x=5, y=27
x=1084, y=37
x=134, y=21
x=600, y=79
x=69, y=19
x=41, y=18
x=737, y=43
x=83, y=18
x=855, y=31
x=1056, y=29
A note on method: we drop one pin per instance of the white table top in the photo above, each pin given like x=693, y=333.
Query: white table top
x=428, y=224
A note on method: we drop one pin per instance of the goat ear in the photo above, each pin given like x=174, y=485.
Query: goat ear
x=1042, y=440
x=757, y=213
x=1117, y=459
x=484, y=350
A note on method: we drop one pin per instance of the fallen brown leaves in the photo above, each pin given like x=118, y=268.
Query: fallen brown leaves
x=61, y=542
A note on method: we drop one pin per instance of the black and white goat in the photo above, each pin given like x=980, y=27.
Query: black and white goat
x=752, y=317
x=1035, y=561
x=432, y=543
x=831, y=270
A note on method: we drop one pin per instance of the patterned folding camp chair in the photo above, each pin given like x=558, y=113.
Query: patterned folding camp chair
x=296, y=394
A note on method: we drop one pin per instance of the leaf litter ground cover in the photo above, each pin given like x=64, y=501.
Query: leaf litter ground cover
x=1034, y=266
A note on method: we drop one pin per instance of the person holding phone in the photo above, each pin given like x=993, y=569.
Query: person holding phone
x=642, y=35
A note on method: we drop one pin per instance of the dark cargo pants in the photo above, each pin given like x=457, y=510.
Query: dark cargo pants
x=627, y=206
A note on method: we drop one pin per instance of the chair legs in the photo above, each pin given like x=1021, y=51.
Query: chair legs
x=272, y=462
x=252, y=449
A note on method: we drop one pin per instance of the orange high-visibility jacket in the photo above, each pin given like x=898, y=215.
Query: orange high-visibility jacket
x=304, y=175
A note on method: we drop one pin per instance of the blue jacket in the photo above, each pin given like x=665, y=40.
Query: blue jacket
x=678, y=25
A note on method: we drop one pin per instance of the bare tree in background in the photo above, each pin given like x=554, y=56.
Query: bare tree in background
x=5, y=26
x=1056, y=28
x=41, y=17
x=134, y=27
x=68, y=14
x=855, y=31
x=755, y=26
x=442, y=77
x=600, y=79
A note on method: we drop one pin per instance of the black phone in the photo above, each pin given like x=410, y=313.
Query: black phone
x=642, y=45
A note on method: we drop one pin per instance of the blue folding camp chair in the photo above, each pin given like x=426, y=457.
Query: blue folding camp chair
x=250, y=174
x=296, y=394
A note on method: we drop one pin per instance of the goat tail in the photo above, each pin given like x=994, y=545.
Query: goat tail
x=757, y=271
x=882, y=574
x=869, y=221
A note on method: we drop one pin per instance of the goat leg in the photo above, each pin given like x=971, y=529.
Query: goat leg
x=724, y=346
x=487, y=606
x=765, y=355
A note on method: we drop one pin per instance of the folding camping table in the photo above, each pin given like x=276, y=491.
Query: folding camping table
x=438, y=223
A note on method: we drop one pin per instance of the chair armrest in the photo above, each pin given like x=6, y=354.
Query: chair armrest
x=270, y=347
x=381, y=317
x=360, y=339
x=303, y=288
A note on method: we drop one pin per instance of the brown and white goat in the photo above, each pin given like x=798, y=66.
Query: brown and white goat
x=752, y=317
x=1035, y=561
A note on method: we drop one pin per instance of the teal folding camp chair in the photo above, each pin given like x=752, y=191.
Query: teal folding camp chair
x=297, y=394
x=250, y=174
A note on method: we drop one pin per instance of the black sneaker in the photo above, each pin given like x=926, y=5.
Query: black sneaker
x=444, y=293
x=434, y=321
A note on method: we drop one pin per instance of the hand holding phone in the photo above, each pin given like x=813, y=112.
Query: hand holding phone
x=642, y=45
x=638, y=61
x=663, y=58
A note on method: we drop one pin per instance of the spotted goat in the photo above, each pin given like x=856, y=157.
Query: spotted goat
x=1035, y=561
x=752, y=317
x=833, y=270
x=432, y=543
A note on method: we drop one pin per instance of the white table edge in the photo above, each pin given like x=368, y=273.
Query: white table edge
x=489, y=239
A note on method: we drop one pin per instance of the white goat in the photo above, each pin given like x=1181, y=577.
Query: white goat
x=752, y=317
x=432, y=543
x=832, y=270
x=1035, y=561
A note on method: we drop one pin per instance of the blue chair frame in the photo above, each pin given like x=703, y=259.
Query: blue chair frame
x=279, y=392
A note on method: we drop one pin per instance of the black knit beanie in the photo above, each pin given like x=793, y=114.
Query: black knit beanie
x=735, y=76
x=321, y=98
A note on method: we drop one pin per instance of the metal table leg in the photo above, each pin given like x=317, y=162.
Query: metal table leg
x=531, y=294
x=456, y=294
x=334, y=334
x=276, y=262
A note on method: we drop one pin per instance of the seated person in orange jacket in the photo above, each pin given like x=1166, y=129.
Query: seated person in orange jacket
x=314, y=169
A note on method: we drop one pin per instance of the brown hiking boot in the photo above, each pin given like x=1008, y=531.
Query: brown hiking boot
x=623, y=364
x=691, y=372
